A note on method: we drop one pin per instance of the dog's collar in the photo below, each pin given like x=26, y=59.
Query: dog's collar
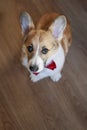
x=50, y=66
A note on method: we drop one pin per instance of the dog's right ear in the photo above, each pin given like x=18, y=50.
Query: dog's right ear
x=58, y=26
x=26, y=23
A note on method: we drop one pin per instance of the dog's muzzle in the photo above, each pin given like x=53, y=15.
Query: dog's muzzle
x=36, y=64
x=33, y=68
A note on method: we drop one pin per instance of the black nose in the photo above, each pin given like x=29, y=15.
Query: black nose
x=33, y=68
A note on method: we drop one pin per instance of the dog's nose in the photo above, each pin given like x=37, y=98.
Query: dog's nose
x=33, y=68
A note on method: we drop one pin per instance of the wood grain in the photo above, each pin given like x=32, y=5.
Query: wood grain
x=43, y=105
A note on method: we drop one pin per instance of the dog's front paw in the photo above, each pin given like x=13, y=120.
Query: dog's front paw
x=56, y=77
x=34, y=78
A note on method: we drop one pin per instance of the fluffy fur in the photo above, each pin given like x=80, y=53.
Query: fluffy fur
x=48, y=41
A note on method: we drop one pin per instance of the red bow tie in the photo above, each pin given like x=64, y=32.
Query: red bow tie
x=51, y=66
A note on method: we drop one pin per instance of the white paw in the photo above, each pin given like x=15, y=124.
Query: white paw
x=56, y=77
x=34, y=78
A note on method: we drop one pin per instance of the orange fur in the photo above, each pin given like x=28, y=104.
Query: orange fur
x=47, y=19
x=44, y=23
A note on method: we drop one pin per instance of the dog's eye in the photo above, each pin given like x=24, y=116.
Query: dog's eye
x=30, y=48
x=44, y=50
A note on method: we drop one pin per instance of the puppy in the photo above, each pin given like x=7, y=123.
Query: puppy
x=45, y=45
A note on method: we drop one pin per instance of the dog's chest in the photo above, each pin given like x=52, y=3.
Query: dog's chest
x=56, y=61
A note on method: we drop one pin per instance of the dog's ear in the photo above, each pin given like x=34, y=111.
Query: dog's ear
x=58, y=26
x=26, y=23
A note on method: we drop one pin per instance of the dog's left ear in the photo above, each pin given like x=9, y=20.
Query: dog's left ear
x=26, y=23
x=58, y=26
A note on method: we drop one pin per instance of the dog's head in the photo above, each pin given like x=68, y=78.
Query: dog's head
x=39, y=45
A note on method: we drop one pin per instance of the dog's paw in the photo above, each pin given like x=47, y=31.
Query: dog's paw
x=56, y=77
x=34, y=78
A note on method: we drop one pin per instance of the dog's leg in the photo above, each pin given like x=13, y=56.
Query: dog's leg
x=36, y=78
x=56, y=77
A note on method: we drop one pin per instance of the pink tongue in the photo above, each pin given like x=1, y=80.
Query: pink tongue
x=36, y=73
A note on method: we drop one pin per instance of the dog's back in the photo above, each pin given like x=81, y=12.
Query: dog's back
x=46, y=20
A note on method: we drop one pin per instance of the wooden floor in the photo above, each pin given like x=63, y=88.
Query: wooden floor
x=44, y=105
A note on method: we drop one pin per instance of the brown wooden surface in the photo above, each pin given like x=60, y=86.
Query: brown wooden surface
x=44, y=105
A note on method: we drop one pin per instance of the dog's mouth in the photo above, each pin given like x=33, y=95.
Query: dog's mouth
x=36, y=65
x=36, y=73
x=36, y=69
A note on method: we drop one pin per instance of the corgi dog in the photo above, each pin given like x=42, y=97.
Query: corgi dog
x=45, y=45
